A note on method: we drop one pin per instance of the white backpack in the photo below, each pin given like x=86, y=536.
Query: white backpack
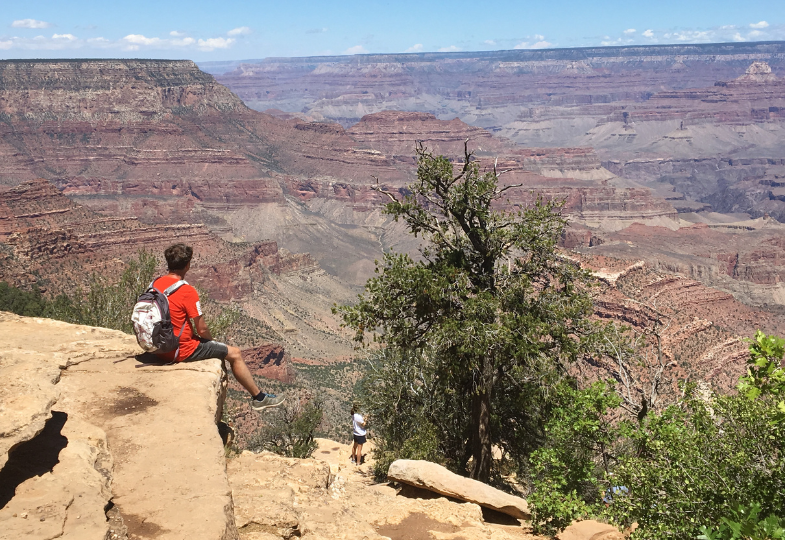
x=153, y=322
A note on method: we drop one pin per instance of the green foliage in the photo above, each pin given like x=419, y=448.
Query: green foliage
x=397, y=381
x=101, y=304
x=745, y=523
x=27, y=303
x=492, y=309
x=708, y=465
x=290, y=431
x=569, y=469
x=690, y=465
x=765, y=373
x=107, y=304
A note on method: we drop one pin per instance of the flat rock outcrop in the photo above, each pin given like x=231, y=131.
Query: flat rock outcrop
x=107, y=447
x=433, y=477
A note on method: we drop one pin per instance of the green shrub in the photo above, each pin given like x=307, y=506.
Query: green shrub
x=290, y=431
x=765, y=373
x=411, y=413
x=707, y=465
x=103, y=303
x=745, y=523
x=693, y=463
x=26, y=303
x=570, y=468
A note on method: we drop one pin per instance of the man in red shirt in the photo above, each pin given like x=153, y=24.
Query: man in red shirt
x=184, y=306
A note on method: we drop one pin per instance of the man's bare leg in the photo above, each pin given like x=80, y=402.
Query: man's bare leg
x=241, y=371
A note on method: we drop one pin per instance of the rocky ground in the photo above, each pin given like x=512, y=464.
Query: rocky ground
x=327, y=497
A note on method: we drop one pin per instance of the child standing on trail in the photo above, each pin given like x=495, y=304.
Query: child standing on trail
x=358, y=432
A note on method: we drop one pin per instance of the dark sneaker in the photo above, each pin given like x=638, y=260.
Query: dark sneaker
x=270, y=400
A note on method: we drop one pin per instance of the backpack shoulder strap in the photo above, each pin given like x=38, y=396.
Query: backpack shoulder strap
x=174, y=286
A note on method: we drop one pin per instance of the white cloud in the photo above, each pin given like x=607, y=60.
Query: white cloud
x=762, y=24
x=30, y=23
x=357, y=49
x=215, y=43
x=693, y=36
x=755, y=33
x=175, y=33
x=648, y=34
x=316, y=31
x=239, y=31
x=451, y=48
x=139, y=39
x=630, y=31
x=538, y=37
x=542, y=44
x=738, y=37
x=489, y=42
x=414, y=48
x=131, y=42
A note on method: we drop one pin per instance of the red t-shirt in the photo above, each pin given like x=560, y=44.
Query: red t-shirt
x=183, y=306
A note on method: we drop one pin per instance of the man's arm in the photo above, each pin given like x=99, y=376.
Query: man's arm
x=201, y=328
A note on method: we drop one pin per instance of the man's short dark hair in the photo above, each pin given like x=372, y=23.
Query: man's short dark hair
x=178, y=256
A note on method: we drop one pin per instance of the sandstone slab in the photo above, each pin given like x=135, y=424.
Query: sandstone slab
x=139, y=439
x=433, y=477
x=590, y=530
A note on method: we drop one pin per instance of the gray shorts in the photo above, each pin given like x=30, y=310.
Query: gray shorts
x=208, y=349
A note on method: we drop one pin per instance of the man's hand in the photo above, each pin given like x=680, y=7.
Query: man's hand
x=201, y=328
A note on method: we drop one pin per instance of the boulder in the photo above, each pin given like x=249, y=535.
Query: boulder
x=590, y=530
x=433, y=477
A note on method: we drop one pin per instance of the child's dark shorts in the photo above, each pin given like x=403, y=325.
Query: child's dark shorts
x=359, y=439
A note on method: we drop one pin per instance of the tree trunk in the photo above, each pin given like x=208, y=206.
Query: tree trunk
x=481, y=440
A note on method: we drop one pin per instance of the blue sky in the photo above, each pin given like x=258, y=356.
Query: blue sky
x=235, y=30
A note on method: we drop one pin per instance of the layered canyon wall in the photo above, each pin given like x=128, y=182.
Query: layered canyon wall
x=282, y=211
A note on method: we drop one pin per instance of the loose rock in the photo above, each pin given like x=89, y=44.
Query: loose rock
x=433, y=477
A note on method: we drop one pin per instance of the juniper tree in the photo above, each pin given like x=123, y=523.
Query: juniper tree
x=497, y=310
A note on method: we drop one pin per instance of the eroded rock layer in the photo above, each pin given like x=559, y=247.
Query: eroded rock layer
x=168, y=145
